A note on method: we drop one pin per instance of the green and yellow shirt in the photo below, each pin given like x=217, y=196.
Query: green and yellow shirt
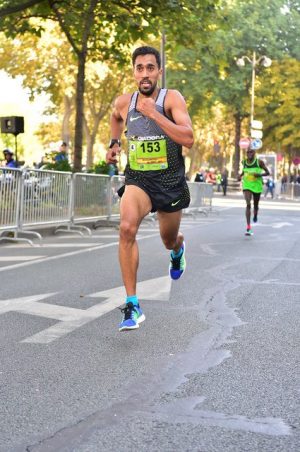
x=249, y=181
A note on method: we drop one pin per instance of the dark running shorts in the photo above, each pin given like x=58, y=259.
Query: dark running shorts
x=161, y=201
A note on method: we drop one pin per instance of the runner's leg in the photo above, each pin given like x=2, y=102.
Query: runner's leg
x=135, y=205
x=169, y=224
x=256, y=198
x=173, y=240
x=248, y=197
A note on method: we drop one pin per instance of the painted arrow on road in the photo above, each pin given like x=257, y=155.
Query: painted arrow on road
x=72, y=318
x=273, y=225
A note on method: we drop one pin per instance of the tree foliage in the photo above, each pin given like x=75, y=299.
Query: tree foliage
x=99, y=29
x=207, y=72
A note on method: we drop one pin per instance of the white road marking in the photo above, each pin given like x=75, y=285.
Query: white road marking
x=102, y=236
x=272, y=225
x=19, y=258
x=73, y=318
x=208, y=249
x=71, y=253
x=59, y=245
x=281, y=225
x=152, y=289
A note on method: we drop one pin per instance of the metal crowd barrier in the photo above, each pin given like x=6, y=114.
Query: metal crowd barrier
x=90, y=200
x=12, y=205
x=46, y=198
x=39, y=198
x=201, y=198
x=290, y=191
x=10, y=187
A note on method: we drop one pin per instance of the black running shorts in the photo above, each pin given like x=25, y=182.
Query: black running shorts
x=162, y=200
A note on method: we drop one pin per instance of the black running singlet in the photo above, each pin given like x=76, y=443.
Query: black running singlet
x=155, y=161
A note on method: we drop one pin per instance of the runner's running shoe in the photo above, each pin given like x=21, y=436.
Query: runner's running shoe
x=133, y=316
x=255, y=218
x=249, y=232
x=177, y=264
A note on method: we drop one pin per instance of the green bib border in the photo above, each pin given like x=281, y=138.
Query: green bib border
x=148, y=155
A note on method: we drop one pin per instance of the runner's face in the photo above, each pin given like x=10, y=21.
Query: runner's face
x=250, y=154
x=146, y=74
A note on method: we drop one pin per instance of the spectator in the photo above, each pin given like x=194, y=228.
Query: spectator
x=218, y=181
x=10, y=161
x=284, y=181
x=211, y=177
x=270, y=185
x=224, y=181
x=200, y=176
x=62, y=154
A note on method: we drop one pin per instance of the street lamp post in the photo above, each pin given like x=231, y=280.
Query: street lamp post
x=163, y=60
x=264, y=61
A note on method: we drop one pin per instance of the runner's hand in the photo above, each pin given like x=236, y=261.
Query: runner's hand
x=112, y=154
x=147, y=107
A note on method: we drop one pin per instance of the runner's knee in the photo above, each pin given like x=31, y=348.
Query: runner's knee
x=127, y=231
x=169, y=243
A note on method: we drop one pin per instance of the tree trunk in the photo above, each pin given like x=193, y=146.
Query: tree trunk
x=80, y=85
x=90, y=139
x=79, y=113
x=90, y=150
x=237, y=154
x=68, y=110
x=289, y=153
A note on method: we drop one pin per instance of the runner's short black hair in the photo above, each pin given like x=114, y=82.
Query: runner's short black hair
x=146, y=50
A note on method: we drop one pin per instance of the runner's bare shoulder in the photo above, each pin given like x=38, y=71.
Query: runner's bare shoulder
x=122, y=102
x=173, y=94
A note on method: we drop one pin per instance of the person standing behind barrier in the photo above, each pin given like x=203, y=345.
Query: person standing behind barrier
x=252, y=182
x=284, y=181
x=224, y=181
x=200, y=176
x=10, y=161
x=62, y=153
x=211, y=177
x=218, y=181
x=270, y=185
x=158, y=125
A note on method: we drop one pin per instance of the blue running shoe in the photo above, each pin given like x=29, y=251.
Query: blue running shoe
x=177, y=264
x=255, y=218
x=133, y=316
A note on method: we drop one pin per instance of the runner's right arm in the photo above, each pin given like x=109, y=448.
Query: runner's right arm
x=116, y=128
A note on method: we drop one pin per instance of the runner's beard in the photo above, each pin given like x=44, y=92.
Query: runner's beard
x=148, y=92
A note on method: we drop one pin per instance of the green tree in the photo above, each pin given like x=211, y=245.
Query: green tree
x=208, y=73
x=99, y=30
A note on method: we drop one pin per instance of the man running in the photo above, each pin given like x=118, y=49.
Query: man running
x=252, y=182
x=158, y=125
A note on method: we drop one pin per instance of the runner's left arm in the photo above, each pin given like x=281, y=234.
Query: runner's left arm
x=180, y=130
x=263, y=166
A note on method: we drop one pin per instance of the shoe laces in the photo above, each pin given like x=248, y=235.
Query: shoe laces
x=176, y=262
x=128, y=311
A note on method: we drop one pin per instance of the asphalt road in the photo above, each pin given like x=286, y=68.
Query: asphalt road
x=215, y=366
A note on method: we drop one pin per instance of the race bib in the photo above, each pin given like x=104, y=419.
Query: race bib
x=148, y=155
x=250, y=177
